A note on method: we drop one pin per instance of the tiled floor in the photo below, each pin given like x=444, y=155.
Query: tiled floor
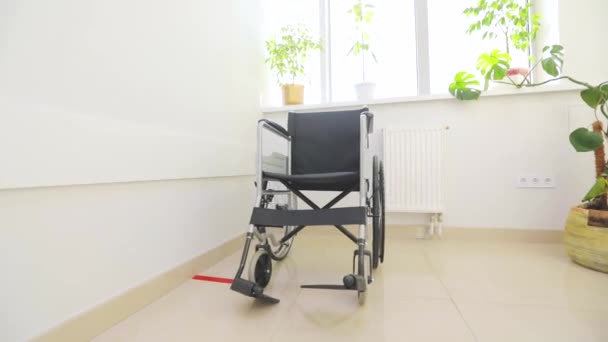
x=446, y=290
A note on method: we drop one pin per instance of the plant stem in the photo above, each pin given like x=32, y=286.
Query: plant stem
x=603, y=110
x=363, y=57
x=586, y=85
x=600, y=155
x=529, y=73
x=600, y=162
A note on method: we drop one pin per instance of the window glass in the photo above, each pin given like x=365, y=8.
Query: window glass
x=277, y=14
x=393, y=41
x=452, y=50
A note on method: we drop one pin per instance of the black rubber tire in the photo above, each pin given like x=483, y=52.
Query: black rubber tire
x=262, y=271
x=376, y=212
x=382, y=212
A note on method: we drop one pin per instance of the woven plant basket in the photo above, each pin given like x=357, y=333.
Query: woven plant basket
x=586, y=238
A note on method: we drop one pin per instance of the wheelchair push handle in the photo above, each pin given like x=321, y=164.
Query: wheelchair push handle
x=275, y=127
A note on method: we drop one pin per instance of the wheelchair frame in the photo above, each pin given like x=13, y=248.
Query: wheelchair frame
x=358, y=280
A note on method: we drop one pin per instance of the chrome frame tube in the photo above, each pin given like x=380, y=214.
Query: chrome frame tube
x=291, y=199
x=259, y=157
x=363, y=145
x=259, y=164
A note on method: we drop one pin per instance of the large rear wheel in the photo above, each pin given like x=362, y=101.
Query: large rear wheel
x=382, y=212
x=377, y=212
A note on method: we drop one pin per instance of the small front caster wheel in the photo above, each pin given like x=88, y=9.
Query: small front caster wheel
x=260, y=268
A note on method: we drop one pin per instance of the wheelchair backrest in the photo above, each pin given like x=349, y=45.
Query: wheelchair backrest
x=324, y=142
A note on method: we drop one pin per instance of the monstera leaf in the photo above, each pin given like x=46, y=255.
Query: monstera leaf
x=553, y=59
x=461, y=87
x=584, y=140
x=494, y=65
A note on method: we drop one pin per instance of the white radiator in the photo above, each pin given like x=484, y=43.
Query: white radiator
x=414, y=170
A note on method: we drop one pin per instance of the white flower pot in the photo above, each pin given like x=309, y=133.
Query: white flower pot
x=365, y=91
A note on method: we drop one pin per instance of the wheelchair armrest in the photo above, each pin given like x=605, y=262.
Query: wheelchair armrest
x=275, y=128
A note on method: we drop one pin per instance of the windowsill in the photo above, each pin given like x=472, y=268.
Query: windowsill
x=426, y=98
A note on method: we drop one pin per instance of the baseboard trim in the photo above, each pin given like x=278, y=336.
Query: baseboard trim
x=93, y=322
x=458, y=233
x=483, y=234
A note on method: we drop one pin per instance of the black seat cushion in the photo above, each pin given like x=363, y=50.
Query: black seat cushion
x=332, y=181
x=316, y=217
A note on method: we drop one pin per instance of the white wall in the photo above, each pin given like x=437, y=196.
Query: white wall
x=64, y=250
x=115, y=90
x=490, y=143
x=118, y=91
x=581, y=25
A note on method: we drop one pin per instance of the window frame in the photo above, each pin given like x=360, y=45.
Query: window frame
x=421, y=27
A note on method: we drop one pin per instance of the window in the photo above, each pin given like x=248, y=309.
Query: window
x=279, y=13
x=420, y=45
x=451, y=49
x=393, y=42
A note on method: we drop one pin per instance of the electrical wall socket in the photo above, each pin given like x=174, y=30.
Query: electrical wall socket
x=535, y=182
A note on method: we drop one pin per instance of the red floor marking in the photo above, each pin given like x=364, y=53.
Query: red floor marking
x=214, y=279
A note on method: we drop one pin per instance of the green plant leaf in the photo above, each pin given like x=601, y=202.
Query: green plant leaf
x=598, y=189
x=592, y=97
x=509, y=17
x=584, y=140
x=289, y=52
x=553, y=59
x=595, y=97
x=363, y=15
x=461, y=87
x=494, y=65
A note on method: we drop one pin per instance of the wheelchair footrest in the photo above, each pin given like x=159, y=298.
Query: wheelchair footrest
x=315, y=217
x=352, y=282
x=326, y=287
x=251, y=289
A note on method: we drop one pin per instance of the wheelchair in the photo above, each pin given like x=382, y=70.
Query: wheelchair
x=326, y=151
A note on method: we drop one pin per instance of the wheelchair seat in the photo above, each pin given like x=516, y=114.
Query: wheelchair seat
x=338, y=181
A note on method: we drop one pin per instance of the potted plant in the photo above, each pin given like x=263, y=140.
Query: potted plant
x=363, y=15
x=586, y=234
x=507, y=20
x=287, y=56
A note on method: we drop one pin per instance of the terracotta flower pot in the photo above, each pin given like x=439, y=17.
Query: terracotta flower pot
x=293, y=94
x=586, y=238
